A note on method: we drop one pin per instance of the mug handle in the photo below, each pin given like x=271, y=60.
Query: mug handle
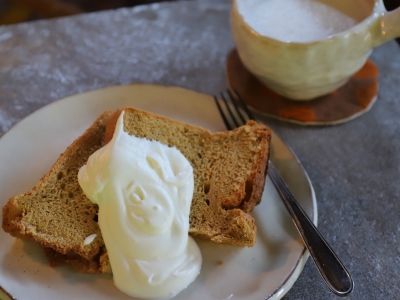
x=387, y=27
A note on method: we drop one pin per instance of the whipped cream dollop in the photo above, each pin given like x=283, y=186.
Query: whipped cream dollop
x=144, y=191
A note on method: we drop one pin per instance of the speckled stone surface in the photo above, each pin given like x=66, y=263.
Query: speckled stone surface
x=354, y=167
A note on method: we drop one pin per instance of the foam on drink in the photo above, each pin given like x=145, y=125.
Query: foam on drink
x=294, y=20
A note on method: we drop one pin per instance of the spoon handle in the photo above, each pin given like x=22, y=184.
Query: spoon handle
x=335, y=275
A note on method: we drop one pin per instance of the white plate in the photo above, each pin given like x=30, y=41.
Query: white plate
x=27, y=151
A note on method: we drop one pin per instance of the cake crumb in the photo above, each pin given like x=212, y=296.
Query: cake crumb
x=89, y=239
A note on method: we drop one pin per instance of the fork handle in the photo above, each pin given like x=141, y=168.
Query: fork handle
x=328, y=264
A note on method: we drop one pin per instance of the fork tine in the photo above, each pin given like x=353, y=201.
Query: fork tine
x=221, y=112
x=244, y=105
x=236, y=105
x=232, y=115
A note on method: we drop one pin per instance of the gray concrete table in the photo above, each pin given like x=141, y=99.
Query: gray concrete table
x=354, y=167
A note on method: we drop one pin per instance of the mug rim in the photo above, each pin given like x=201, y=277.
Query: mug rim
x=373, y=15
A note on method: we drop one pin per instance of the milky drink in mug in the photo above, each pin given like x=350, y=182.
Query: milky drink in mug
x=303, y=49
x=295, y=20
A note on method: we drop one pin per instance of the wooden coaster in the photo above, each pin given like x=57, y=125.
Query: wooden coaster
x=348, y=102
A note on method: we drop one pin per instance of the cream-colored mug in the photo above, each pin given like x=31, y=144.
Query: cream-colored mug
x=303, y=70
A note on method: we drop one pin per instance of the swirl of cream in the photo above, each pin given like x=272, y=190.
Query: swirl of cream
x=144, y=191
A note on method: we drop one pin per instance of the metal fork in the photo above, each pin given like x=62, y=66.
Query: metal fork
x=333, y=272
